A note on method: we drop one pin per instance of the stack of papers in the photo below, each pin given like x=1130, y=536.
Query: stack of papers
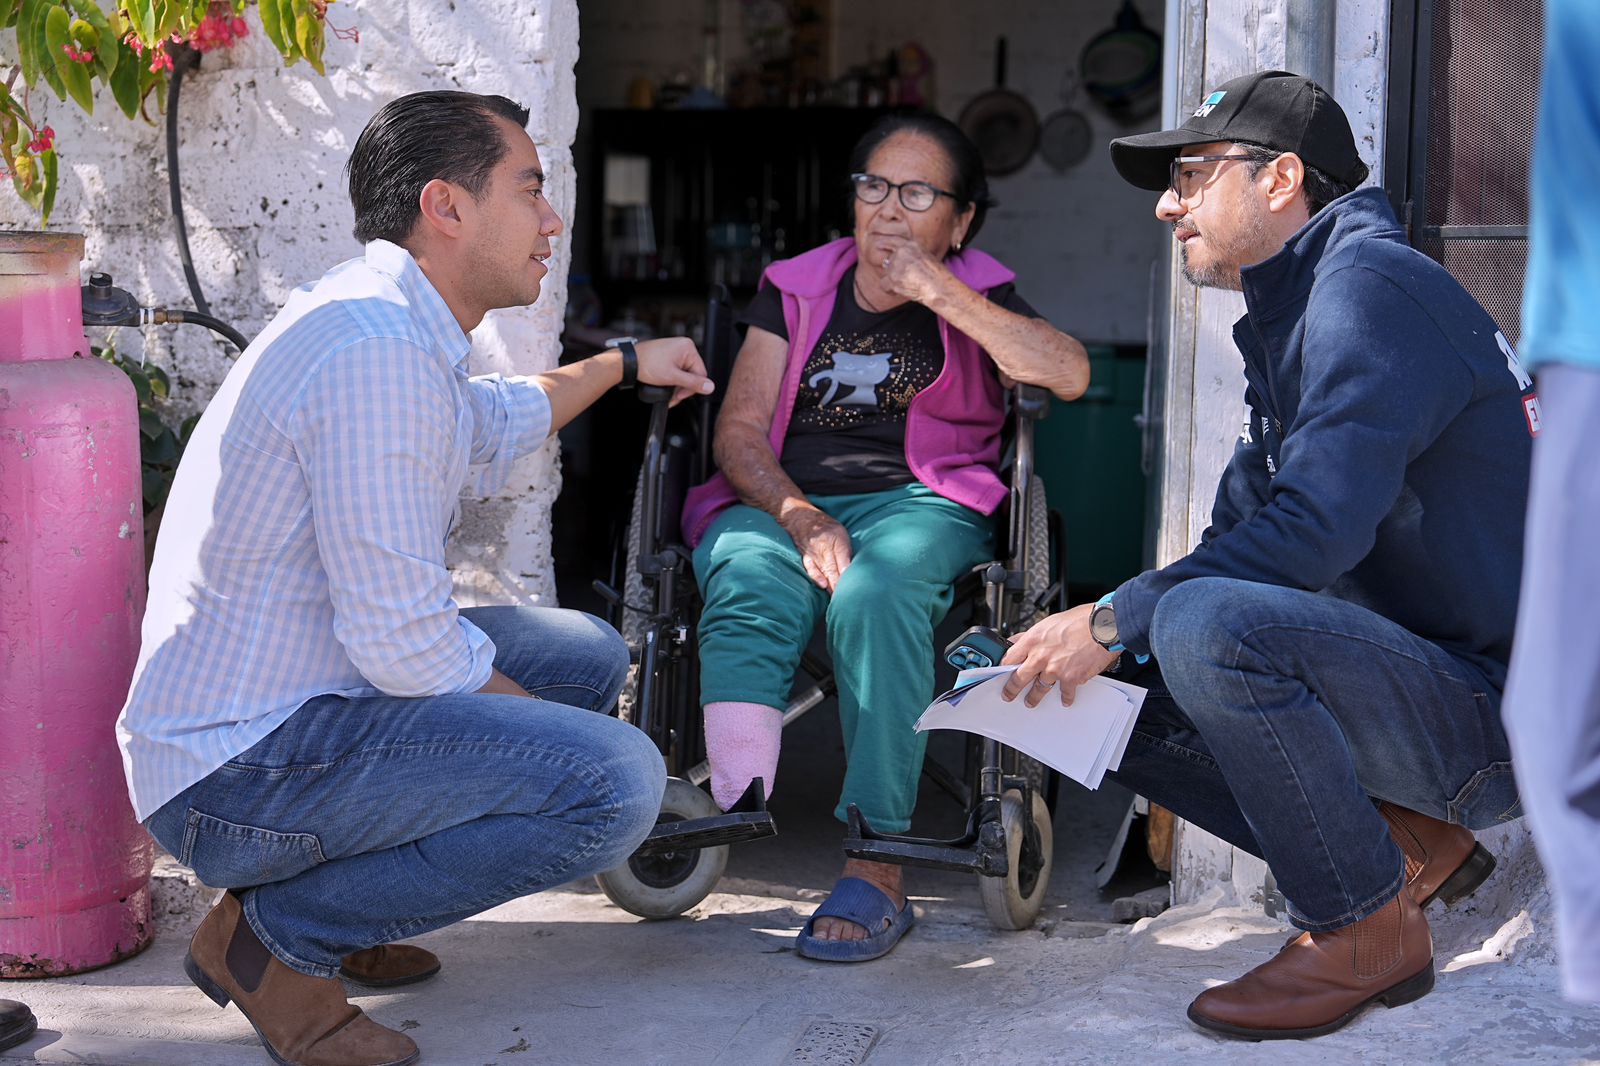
x=1082, y=741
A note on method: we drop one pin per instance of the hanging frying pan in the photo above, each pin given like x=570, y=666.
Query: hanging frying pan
x=1122, y=67
x=1065, y=136
x=1001, y=123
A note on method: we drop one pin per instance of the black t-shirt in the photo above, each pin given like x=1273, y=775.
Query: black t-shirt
x=847, y=433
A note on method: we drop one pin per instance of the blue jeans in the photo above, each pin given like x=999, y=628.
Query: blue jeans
x=363, y=821
x=1277, y=715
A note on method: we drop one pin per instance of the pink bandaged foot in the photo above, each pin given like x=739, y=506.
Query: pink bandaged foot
x=741, y=745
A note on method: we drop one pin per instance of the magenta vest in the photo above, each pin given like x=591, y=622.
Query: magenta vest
x=952, y=427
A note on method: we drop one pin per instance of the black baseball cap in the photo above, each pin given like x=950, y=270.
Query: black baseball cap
x=1272, y=108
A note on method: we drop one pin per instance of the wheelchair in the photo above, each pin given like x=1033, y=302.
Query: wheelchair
x=654, y=602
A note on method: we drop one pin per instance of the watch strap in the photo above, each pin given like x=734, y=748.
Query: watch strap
x=630, y=360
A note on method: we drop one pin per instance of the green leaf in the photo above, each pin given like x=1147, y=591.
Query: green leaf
x=186, y=430
x=107, y=55
x=74, y=75
x=125, y=81
x=47, y=198
x=55, y=20
x=160, y=450
x=32, y=12
x=287, y=15
x=141, y=384
x=160, y=384
x=9, y=9
x=272, y=22
x=150, y=423
x=143, y=13
x=308, y=34
x=158, y=84
x=155, y=484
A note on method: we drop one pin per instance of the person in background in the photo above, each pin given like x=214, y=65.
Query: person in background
x=858, y=447
x=1552, y=707
x=1328, y=662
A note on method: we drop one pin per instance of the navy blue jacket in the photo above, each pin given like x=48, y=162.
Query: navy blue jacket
x=1385, y=460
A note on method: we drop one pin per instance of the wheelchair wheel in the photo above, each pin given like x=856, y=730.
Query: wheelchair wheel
x=1036, y=567
x=667, y=884
x=1036, y=582
x=1013, y=901
x=631, y=623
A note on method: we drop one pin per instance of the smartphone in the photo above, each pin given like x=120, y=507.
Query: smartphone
x=978, y=647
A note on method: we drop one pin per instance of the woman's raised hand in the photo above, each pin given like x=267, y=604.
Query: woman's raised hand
x=909, y=271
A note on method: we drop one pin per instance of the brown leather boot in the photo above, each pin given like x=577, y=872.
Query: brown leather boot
x=1442, y=860
x=388, y=965
x=302, y=1021
x=1319, y=982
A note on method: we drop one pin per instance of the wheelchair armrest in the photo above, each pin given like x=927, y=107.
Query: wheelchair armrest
x=653, y=393
x=1032, y=402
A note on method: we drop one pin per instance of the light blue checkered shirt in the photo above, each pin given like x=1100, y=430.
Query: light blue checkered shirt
x=302, y=548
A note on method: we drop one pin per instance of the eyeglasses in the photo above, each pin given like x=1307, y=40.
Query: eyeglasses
x=1185, y=181
x=914, y=195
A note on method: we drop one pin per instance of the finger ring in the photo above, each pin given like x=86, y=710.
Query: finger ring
x=1042, y=683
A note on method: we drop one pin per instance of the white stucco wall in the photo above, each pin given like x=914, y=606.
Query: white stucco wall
x=261, y=158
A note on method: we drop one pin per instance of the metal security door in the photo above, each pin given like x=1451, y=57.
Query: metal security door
x=1464, y=94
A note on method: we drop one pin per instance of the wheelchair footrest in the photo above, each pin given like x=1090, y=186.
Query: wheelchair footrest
x=981, y=850
x=746, y=820
x=696, y=833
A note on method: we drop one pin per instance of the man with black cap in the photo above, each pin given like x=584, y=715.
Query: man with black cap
x=1331, y=655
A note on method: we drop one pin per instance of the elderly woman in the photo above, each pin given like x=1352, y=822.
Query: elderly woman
x=858, y=447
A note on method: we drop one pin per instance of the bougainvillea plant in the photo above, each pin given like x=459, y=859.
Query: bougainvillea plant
x=75, y=47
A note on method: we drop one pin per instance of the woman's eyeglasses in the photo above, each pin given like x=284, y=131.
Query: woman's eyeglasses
x=914, y=195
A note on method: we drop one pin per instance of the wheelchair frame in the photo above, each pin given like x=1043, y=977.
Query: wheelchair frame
x=668, y=665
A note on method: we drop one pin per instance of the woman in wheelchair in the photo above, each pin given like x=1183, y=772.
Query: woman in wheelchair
x=857, y=446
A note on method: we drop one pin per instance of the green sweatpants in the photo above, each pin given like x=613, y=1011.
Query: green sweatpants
x=908, y=546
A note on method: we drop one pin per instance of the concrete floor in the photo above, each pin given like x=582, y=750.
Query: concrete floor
x=565, y=977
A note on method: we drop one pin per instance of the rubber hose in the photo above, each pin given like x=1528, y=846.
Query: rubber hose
x=186, y=57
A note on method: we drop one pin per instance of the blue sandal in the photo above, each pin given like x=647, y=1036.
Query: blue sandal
x=868, y=906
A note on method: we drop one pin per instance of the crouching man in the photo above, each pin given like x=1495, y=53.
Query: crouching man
x=313, y=724
x=1328, y=662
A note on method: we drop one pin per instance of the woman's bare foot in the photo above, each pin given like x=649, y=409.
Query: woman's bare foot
x=885, y=875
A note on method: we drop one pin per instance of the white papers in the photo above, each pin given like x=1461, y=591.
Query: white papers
x=1082, y=741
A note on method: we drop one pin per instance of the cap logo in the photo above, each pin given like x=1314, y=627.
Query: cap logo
x=1209, y=104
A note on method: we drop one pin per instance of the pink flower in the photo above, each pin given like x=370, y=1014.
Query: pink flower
x=132, y=41
x=160, y=60
x=76, y=54
x=45, y=141
x=217, y=30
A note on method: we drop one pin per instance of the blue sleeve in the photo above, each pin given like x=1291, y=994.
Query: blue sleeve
x=1379, y=383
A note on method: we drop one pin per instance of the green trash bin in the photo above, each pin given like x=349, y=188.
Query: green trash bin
x=1089, y=458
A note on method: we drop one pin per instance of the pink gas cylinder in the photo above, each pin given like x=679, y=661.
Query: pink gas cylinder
x=74, y=865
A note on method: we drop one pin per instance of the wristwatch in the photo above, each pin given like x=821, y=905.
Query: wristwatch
x=630, y=360
x=1103, y=624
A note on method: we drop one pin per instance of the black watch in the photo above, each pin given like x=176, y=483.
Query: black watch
x=1103, y=626
x=630, y=360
